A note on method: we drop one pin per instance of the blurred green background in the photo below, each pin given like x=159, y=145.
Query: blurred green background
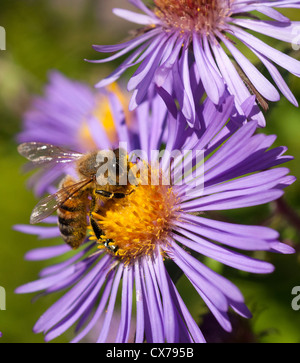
x=58, y=34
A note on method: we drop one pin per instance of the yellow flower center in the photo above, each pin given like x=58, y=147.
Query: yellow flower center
x=193, y=15
x=139, y=222
x=104, y=114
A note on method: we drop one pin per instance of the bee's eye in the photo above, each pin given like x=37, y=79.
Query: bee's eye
x=114, y=168
x=117, y=168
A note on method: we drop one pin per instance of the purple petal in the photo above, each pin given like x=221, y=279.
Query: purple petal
x=111, y=306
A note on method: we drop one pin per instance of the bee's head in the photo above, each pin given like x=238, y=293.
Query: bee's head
x=88, y=165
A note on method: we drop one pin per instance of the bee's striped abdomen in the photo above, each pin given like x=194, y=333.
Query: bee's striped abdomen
x=72, y=216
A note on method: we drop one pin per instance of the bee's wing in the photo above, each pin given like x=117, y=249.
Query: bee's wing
x=40, y=154
x=50, y=204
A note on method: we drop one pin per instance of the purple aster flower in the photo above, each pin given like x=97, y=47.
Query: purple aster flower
x=159, y=224
x=186, y=47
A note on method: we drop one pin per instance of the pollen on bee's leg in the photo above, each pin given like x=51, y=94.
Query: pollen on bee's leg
x=138, y=223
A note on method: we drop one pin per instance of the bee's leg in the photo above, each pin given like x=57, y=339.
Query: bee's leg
x=111, y=195
x=99, y=235
x=96, y=229
x=93, y=204
x=109, y=244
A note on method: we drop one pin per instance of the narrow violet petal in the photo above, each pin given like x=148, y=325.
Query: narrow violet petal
x=192, y=326
x=135, y=17
x=237, y=229
x=155, y=313
x=275, y=74
x=46, y=253
x=44, y=283
x=278, y=247
x=70, y=320
x=41, y=232
x=225, y=256
x=169, y=310
x=114, y=76
x=54, y=314
x=147, y=64
x=148, y=329
x=203, y=287
x=119, y=119
x=274, y=14
x=104, y=298
x=111, y=306
x=165, y=68
x=126, y=307
x=207, y=75
x=228, y=239
x=99, y=134
x=140, y=323
x=283, y=60
x=275, y=30
x=261, y=83
x=220, y=314
x=140, y=5
x=131, y=45
x=62, y=265
x=223, y=202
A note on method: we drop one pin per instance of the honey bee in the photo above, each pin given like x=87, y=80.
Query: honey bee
x=76, y=199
